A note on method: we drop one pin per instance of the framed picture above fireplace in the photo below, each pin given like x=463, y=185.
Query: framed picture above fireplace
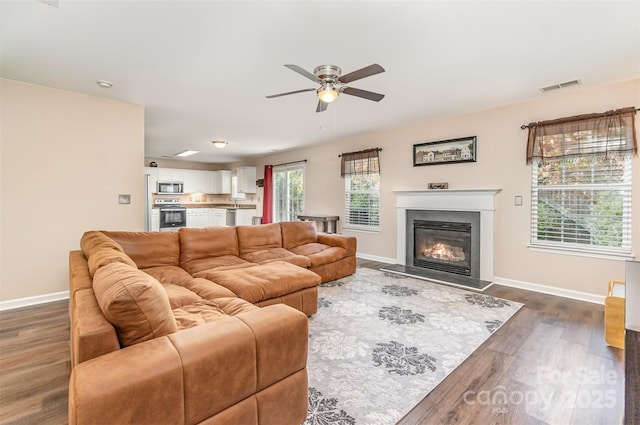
x=445, y=151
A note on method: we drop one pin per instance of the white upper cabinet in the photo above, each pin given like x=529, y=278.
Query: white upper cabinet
x=246, y=179
x=221, y=182
x=170, y=175
x=198, y=181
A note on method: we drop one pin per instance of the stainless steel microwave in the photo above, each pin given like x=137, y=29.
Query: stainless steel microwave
x=171, y=187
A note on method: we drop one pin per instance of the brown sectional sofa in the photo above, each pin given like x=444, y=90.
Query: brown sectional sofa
x=168, y=327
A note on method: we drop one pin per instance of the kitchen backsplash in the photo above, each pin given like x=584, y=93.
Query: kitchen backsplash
x=203, y=198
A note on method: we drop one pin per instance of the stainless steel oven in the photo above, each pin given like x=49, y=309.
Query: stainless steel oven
x=172, y=215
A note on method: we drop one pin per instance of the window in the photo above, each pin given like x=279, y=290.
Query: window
x=581, y=184
x=361, y=172
x=288, y=192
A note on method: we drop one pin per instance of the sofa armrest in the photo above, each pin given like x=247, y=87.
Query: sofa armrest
x=189, y=376
x=92, y=335
x=281, y=333
x=341, y=241
x=140, y=384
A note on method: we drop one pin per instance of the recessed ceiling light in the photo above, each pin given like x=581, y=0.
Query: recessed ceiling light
x=187, y=153
x=219, y=144
x=104, y=84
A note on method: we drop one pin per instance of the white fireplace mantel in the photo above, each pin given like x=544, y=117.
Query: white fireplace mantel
x=478, y=200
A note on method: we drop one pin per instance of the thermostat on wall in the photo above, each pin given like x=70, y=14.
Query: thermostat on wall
x=124, y=199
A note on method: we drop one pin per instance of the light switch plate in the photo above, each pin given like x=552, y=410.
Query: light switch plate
x=124, y=199
x=518, y=201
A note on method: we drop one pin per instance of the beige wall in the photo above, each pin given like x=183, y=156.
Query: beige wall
x=501, y=164
x=65, y=158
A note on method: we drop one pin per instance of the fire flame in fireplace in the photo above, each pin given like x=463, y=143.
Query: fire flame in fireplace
x=444, y=252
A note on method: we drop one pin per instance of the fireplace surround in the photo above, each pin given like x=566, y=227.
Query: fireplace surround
x=440, y=204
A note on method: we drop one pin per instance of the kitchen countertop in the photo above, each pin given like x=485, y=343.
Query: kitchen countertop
x=224, y=206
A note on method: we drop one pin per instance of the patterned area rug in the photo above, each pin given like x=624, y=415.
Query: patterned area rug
x=380, y=342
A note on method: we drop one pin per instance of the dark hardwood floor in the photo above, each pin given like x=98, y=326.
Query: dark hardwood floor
x=549, y=364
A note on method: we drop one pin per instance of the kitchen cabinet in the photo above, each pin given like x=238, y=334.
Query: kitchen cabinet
x=170, y=175
x=221, y=182
x=198, y=181
x=155, y=219
x=246, y=179
x=244, y=216
x=219, y=217
x=198, y=217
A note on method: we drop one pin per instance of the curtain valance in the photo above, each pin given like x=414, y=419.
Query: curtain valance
x=361, y=162
x=607, y=133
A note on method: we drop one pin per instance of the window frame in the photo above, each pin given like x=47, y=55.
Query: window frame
x=624, y=252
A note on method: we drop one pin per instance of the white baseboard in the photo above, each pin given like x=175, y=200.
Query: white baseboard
x=38, y=299
x=551, y=290
x=376, y=258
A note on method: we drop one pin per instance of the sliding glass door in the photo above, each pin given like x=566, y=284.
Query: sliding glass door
x=288, y=192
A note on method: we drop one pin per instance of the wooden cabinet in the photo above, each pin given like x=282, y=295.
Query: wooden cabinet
x=221, y=182
x=246, y=179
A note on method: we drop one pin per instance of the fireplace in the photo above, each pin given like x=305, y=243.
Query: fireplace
x=474, y=206
x=444, y=241
x=443, y=246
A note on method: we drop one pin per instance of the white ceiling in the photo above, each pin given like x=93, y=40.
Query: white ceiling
x=202, y=69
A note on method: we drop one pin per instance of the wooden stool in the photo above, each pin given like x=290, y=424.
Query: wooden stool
x=614, y=315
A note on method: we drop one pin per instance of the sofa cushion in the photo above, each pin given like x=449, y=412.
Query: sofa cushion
x=95, y=239
x=263, y=282
x=258, y=238
x=196, y=244
x=169, y=274
x=180, y=296
x=320, y=254
x=276, y=254
x=222, y=262
x=134, y=302
x=202, y=312
x=208, y=290
x=102, y=256
x=296, y=233
x=149, y=249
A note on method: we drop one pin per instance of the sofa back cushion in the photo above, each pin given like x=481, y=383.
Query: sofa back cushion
x=259, y=238
x=135, y=303
x=149, y=249
x=296, y=233
x=103, y=256
x=96, y=239
x=208, y=242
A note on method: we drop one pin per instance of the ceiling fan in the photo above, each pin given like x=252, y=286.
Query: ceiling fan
x=332, y=83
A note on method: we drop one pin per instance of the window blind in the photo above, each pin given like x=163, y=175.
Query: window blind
x=582, y=203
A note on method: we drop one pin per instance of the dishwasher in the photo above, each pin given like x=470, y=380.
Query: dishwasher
x=231, y=216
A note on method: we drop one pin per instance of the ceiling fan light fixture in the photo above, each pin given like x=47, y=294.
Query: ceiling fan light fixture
x=220, y=144
x=328, y=93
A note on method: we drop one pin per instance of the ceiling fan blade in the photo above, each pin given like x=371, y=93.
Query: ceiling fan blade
x=322, y=106
x=376, y=97
x=288, y=93
x=304, y=73
x=367, y=71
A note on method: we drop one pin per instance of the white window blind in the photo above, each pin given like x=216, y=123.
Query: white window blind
x=582, y=204
x=362, y=201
